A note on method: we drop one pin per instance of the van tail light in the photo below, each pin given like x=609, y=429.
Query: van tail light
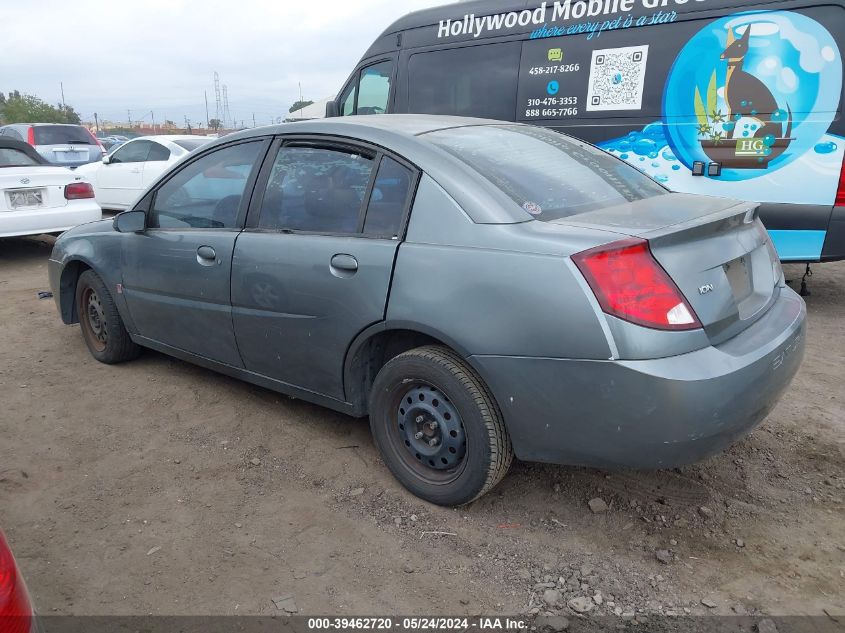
x=30, y=136
x=15, y=609
x=630, y=284
x=840, y=192
x=79, y=191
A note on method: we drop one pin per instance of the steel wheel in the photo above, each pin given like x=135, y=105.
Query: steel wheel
x=94, y=322
x=429, y=433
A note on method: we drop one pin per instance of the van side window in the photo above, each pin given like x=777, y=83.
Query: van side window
x=370, y=94
x=347, y=100
x=374, y=88
x=478, y=81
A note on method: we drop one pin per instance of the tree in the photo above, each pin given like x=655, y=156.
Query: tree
x=214, y=124
x=299, y=105
x=24, y=108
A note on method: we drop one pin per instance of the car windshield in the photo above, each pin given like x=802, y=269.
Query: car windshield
x=192, y=144
x=62, y=135
x=15, y=158
x=549, y=175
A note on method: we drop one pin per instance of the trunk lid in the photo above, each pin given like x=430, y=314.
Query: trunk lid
x=716, y=250
x=36, y=187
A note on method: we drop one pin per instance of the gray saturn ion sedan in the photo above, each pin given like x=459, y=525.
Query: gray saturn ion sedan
x=481, y=290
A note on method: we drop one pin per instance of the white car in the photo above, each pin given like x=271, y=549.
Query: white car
x=37, y=197
x=128, y=170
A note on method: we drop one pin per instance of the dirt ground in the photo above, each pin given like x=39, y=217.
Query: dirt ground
x=159, y=487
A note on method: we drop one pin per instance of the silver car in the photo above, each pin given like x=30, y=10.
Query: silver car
x=481, y=290
x=61, y=144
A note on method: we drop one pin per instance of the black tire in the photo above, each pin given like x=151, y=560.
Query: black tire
x=434, y=385
x=102, y=328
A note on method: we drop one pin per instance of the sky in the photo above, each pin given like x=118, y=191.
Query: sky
x=156, y=58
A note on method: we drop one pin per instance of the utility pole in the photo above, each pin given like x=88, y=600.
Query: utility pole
x=207, y=121
x=129, y=117
x=253, y=119
x=96, y=123
x=153, y=118
x=62, y=87
x=187, y=124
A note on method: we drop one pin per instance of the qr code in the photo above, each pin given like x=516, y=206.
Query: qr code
x=617, y=79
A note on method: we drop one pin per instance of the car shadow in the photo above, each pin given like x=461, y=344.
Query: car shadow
x=21, y=249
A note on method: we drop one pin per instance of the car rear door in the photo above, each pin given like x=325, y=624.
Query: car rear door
x=176, y=273
x=119, y=181
x=313, y=268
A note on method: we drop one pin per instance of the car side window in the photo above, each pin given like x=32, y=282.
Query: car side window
x=13, y=133
x=389, y=199
x=318, y=189
x=158, y=152
x=133, y=152
x=206, y=193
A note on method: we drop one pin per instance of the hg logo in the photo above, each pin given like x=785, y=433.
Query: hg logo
x=751, y=147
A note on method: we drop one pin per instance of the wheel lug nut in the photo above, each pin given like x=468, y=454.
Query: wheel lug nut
x=418, y=435
x=420, y=419
x=432, y=442
x=433, y=425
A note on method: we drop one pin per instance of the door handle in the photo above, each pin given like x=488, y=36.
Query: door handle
x=135, y=171
x=343, y=265
x=206, y=255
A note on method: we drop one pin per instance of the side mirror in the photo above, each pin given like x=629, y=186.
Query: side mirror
x=331, y=109
x=106, y=160
x=130, y=222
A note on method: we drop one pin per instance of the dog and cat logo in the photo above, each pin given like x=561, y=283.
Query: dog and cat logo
x=754, y=128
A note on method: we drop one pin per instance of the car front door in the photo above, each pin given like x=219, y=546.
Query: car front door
x=119, y=181
x=176, y=273
x=313, y=268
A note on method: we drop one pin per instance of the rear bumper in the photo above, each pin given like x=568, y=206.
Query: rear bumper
x=55, y=220
x=649, y=414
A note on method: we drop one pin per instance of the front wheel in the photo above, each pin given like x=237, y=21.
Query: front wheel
x=437, y=427
x=102, y=328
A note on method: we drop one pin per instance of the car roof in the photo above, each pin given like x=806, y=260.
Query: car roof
x=26, y=148
x=53, y=124
x=399, y=124
x=169, y=137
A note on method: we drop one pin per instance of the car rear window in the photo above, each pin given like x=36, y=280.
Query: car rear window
x=549, y=175
x=191, y=144
x=15, y=158
x=62, y=135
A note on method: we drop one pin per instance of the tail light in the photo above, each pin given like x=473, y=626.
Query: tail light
x=840, y=192
x=15, y=608
x=630, y=284
x=79, y=191
x=30, y=136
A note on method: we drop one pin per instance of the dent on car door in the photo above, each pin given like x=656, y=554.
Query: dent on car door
x=176, y=273
x=315, y=268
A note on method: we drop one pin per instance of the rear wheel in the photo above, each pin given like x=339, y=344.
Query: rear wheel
x=437, y=427
x=102, y=328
